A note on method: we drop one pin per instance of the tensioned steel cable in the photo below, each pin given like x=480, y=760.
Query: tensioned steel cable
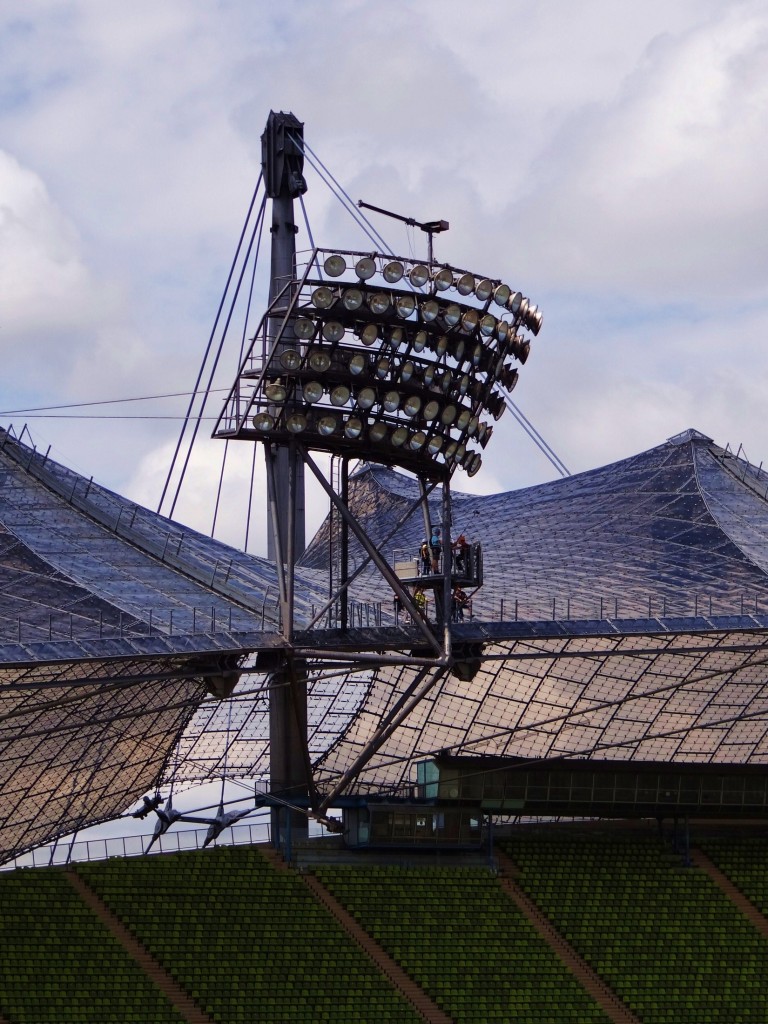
x=536, y=437
x=210, y=342
x=207, y=390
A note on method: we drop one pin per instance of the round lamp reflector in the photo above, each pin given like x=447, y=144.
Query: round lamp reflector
x=335, y=266
x=501, y=294
x=419, y=341
x=313, y=392
x=366, y=398
x=378, y=302
x=431, y=410
x=369, y=334
x=449, y=415
x=322, y=297
x=429, y=310
x=393, y=271
x=443, y=279
x=327, y=425
x=365, y=268
x=352, y=299
x=303, y=328
x=513, y=302
x=464, y=417
x=340, y=395
x=353, y=427
x=296, y=422
x=484, y=289
x=488, y=325
x=412, y=405
x=399, y=437
x=418, y=276
x=290, y=359
x=275, y=392
x=358, y=364
x=452, y=314
x=319, y=361
x=333, y=331
x=465, y=285
x=435, y=444
x=263, y=421
x=405, y=305
x=391, y=401
x=470, y=319
x=378, y=431
x=417, y=440
x=406, y=371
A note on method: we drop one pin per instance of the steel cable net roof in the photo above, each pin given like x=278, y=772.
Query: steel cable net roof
x=634, y=625
x=639, y=599
x=116, y=625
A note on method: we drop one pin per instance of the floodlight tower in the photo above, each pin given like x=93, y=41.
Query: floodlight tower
x=366, y=356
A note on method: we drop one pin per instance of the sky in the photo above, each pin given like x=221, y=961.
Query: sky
x=608, y=160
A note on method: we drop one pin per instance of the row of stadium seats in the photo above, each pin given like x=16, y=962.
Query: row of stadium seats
x=662, y=935
x=248, y=942
x=60, y=965
x=463, y=941
x=744, y=861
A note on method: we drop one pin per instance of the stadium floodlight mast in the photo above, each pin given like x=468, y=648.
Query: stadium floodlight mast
x=367, y=356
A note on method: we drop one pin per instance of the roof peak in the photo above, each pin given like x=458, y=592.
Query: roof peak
x=688, y=436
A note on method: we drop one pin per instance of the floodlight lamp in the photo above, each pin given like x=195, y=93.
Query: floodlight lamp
x=513, y=302
x=502, y=330
x=487, y=325
x=327, y=425
x=472, y=426
x=484, y=289
x=383, y=368
x=396, y=336
x=319, y=361
x=335, y=266
x=442, y=279
x=419, y=341
x=486, y=436
x=465, y=284
x=312, y=392
x=442, y=344
x=303, y=328
x=358, y=364
x=501, y=293
x=524, y=350
x=340, y=395
x=365, y=268
x=464, y=384
x=418, y=276
x=458, y=350
x=536, y=321
x=369, y=334
x=429, y=310
x=470, y=319
x=417, y=440
x=474, y=464
x=452, y=314
x=477, y=355
x=378, y=431
x=434, y=444
x=378, y=303
x=393, y=271
x=296, y=423
x=406, y=371
x=322, y=297
x=353, y=428
x=445, y=381
x=276, y=392
x=450, y=450
x=510, y=380
x=464, y=417
x=524, y=307
x=399, y=437
x=429, y=375
x=333, y=330
x=290, y=359
x=405, y=305
x=411, y=405
x=501, y=408
x=391, y=401
x=263, y=422
x=448, y=414
x=366, y=398
x=352, y=299
x=431, y=410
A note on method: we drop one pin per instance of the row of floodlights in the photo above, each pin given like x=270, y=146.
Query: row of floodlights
x=441, y=279
x=387, y=368
x=449, y=414
x=405, y=304
x=333, y=331
x=354, y=428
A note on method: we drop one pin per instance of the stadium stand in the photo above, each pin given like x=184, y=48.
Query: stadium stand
x=663, y=935
x=458, y=935
x=744, y=861
x=248, y=942
x=60, y=965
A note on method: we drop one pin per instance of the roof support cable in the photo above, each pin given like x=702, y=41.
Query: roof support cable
x=210, y=343
x=207, y=389
x=536, y=437
x=328, y=179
